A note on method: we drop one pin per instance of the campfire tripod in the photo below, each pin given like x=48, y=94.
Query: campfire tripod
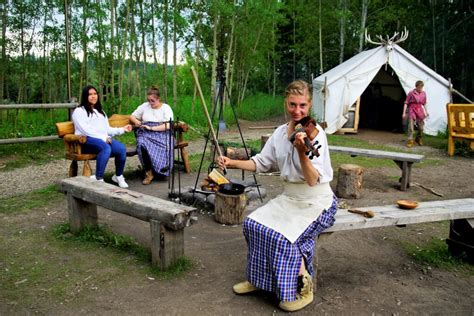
x=219, y=106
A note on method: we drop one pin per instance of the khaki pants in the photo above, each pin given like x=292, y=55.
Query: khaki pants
x=411, y=128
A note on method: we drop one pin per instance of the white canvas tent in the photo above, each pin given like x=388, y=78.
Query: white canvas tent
x=346, y=82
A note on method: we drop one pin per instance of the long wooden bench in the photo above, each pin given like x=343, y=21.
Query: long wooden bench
x=73, y=143
x=167, y=219
x=458, y=211
x=403, y=160
x=460, y=124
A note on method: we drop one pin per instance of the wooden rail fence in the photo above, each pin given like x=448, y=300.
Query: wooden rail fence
x=5, y=141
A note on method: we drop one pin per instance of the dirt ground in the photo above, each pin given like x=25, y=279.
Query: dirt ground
x=360, y=272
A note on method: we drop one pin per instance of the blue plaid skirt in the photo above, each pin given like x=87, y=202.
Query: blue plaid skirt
x=273, y=262
x=159, y=146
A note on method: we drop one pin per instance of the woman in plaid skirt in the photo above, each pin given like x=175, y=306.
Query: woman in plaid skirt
x=154, y=136
x=281, y=234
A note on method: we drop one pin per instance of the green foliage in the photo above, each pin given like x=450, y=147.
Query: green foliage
x=435, y=253
x=26, y=201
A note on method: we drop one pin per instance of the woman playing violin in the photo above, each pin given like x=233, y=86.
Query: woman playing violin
x=281, y=234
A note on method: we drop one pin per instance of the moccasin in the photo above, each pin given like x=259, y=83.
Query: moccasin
x=244, y=287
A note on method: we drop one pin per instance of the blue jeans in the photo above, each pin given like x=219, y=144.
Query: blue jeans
x=104, y=151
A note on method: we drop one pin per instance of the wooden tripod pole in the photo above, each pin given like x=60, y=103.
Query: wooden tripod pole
x=206, y=113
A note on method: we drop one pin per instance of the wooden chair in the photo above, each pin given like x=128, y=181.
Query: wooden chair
x=73, y=143
x=460, y=124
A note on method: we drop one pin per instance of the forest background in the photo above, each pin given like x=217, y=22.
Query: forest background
x=125, y=46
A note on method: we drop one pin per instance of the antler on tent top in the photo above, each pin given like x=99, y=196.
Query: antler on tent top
x=388, y=41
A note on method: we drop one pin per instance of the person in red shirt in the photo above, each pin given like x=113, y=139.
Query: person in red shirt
x=416, y=105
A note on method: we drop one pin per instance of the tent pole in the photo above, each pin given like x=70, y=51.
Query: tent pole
x=325, y=98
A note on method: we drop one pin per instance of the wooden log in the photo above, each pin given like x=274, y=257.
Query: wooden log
x=263, y=140
x=167, y=245
x=238, y=153
x=349, y=181
x=230, y=209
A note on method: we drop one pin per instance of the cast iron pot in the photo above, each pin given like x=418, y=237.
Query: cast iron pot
x=231, y=188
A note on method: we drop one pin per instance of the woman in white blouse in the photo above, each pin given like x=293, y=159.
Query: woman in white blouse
x=281, y=234
x=91, y=121
x=154, y=137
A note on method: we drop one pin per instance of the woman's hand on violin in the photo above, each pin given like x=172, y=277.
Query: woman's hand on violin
x=299, y=142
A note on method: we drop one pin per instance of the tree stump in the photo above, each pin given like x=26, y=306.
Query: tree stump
x=349, y=181
x=229, y=209
x=263, y=140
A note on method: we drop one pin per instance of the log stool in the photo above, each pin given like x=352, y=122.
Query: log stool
x=349, y=181
x=229, y=209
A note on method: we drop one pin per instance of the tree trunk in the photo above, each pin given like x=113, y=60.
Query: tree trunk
x=143, y=31
x=165, y=49
x=342, y=30
x=433, y=3
x=363, y=19
x=113, y=22
x=84, y=38
x=214, y=58
x=229, y=58
x=122, y=57
x=175, y=66
x=153, y=34
x=320, y=39
x=4, y=64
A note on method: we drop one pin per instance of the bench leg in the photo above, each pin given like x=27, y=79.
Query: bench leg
x=405, y=166
x=450, y=145
x=167, y=245
x=81, y=213
x=73, y=169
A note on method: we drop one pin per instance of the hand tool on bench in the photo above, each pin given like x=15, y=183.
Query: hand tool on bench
x=368, y=214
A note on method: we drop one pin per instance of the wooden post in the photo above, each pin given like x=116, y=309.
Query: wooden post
x=81, y=213
x=263, y=140
x=86, y=171
x=349, y=181
x=167, y=245
x=229, y=209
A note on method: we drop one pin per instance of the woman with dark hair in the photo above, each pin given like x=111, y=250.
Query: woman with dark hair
x=90, y=120
x=154, y=140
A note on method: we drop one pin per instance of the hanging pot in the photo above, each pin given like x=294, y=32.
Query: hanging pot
x=231, y=188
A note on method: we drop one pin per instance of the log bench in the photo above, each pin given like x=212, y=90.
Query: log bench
x=460, y=125
x=403, y=160
x=73, y=143
x=459, y=211
x=167, y=219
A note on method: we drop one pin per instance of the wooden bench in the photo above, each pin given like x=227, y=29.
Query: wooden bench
x=460, y=124
x=457, y=211
x=167, y=219
x=73, y=143
x=403, y=160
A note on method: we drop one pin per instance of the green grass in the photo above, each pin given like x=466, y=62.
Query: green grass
x=22, y=155
x=435, y=253
x=27, y=201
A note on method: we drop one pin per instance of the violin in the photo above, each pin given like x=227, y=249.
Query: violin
x=307, y=125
